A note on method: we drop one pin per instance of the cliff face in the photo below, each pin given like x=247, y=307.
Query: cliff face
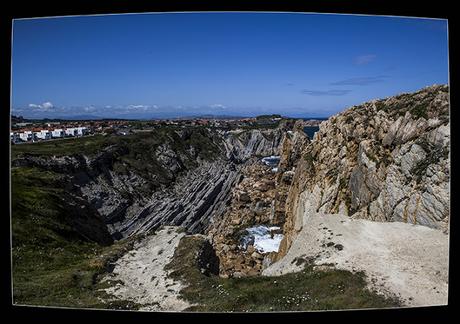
x=385, y=160
x=241, y=145
x=178, y=177
x=197, y=192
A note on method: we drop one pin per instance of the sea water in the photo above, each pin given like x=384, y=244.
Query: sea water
x=259, y=236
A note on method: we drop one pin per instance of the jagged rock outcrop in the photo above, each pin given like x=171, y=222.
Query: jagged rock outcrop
x=191, y=201
x=170, y=177
x=385, y=160
x=251, y=202
x=241, y=145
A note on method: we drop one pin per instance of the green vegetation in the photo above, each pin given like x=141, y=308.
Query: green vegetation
x=434, y=155
x=343, y=184
x=348, y=118
x=420, y=110
x=60, y=245
x=91, y=145
x=65, y=276
x=305, y=290
x=268, y=116
x=380, y=105
x=137, y=152
x=332, y=173
x=419, y=104
x=88, y=145
x=373, y=157
x=53, y=263
x=264, y=122
x=347, y=199
x=38, y=208
x=309, y=157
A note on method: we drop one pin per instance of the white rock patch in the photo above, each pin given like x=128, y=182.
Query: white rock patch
x=409, y=261
x=142, y=272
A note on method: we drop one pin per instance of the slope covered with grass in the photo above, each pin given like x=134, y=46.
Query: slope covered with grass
x=306, y=290
x=60, y=243
x=54, y=262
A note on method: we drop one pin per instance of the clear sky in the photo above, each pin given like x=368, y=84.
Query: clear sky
x=179, y=64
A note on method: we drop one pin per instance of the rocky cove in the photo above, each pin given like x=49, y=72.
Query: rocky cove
x=380, y=163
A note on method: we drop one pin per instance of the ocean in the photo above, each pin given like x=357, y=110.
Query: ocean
x=310, y=130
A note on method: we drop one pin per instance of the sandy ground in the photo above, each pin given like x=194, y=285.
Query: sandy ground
x=409, y=261
x=142, y=277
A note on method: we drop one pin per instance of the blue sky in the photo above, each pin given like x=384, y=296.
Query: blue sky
x=169, y=65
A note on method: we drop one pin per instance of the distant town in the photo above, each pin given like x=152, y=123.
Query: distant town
x=30, y=131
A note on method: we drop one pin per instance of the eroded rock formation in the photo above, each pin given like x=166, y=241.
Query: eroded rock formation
x=385, y=160
x=179, y=177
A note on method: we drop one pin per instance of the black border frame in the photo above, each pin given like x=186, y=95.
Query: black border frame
x=439, y=9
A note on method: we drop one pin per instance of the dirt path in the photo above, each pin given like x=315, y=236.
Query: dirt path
x=142, y=277
x=409, y=261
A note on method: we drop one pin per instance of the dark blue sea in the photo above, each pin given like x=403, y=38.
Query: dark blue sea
x=310, y=130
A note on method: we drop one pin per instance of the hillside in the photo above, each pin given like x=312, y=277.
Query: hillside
x=162, y=220
x=386, y=160
x=383, y=161
x=72, y=199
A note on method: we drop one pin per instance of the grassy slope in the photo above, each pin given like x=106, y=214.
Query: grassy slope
x=91, y=145
x=52, y=263
x=305, y=290
x=140, y=149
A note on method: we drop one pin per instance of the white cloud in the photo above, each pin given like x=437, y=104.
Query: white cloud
x=44, y=106
x=89, y=109
x=47, y=105
x=137, y=107
x=219, y=106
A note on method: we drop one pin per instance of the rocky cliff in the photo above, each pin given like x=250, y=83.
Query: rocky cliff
x=171, y=176
x=241, y=145
x=385, y=160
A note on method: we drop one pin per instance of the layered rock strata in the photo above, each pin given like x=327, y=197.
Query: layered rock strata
x=180, y=185
x=385, y=160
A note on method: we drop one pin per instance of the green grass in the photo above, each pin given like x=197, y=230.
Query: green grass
x=301, y=291
x=433, y=155
x=136, y=143
x=380, y=105
x=89, y=145
x=67, y=276
x=60, y=250
x=53, y=263
x=419, y=104
x=137, y=152
x=37, y=211
x=309, y=157
x=420, y=110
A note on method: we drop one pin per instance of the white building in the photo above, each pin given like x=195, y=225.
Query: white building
x=71, y=131
x=81, y=131
x=14, y=137
x=27, y=136
x=57, y=133
x=43, y=134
